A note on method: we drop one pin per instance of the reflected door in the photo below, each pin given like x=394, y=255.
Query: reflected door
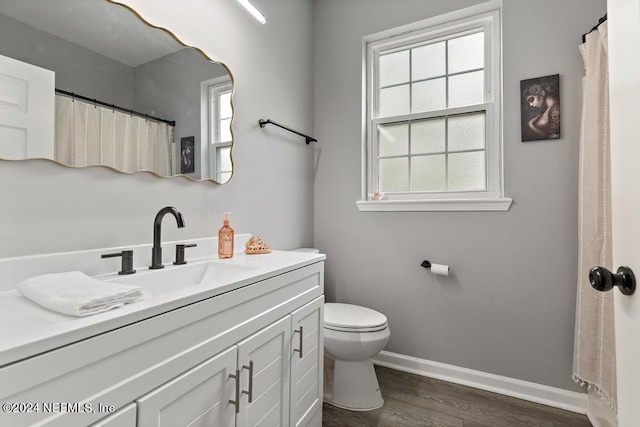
x=26, y=110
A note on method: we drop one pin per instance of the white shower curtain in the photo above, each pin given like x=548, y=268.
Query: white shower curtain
x=88, y=134
x=594, y=344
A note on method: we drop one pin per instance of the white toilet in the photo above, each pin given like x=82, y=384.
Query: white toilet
x=352, y=336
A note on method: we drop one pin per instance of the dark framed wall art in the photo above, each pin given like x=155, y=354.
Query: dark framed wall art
x=540, y=108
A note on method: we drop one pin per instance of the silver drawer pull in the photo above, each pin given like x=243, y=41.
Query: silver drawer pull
x=250, y=391
x=237, y=401
x=301, y=332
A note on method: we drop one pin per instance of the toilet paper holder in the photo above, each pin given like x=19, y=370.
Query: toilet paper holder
x=440, y=270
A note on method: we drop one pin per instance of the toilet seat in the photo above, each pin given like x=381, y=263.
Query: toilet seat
x=352, y=318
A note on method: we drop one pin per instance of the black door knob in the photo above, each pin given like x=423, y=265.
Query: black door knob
x=603, y=280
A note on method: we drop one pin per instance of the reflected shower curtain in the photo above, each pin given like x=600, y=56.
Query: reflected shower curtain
x=594, y=345
x=88, y=134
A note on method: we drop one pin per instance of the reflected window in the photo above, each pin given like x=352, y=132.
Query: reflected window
x=220, y=140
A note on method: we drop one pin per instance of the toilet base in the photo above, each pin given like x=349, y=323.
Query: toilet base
x=351, y=385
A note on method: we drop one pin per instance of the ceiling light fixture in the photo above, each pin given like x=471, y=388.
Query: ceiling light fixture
x=252, y=10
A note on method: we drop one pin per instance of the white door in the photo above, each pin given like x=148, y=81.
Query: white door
x=624, y=72
x=27, y=101
x=198, y=398
x=263, y=359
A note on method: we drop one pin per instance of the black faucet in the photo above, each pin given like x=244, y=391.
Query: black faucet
x=156, y=251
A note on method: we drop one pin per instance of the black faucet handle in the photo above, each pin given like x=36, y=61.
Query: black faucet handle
x=127, y=261
x=180, y=253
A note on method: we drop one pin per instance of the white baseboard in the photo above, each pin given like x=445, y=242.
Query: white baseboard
x=546, y=395
x=598, y=412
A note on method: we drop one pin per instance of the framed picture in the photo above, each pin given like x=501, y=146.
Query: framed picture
x=187, y=154
x=540, y=108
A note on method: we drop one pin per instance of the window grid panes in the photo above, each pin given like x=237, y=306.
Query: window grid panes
x=224, y=113
x=432, y=76
x=436, y=151
x=436, y=154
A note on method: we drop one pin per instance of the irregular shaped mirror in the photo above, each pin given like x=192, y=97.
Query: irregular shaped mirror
x=127, y=95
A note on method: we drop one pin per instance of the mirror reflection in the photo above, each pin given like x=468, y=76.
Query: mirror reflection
x=87, y=82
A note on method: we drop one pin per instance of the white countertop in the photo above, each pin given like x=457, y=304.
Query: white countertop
x=28, y=329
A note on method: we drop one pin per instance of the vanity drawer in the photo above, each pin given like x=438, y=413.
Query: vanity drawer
x=115, y=368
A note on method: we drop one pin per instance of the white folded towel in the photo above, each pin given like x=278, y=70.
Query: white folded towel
x=77, y=294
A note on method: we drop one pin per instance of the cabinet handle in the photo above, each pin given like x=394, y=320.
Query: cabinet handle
x=250, y=391
x=237, y=401
x=299, y=331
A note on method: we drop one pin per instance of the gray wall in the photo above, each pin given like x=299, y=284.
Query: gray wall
x=508, y=308
x=49, y=208
x=77, y=69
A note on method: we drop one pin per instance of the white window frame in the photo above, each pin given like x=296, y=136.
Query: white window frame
x=484, y=17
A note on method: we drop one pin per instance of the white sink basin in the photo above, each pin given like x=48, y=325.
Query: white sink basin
x=174, y=278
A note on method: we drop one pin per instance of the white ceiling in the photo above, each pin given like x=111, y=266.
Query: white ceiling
x=109, y=29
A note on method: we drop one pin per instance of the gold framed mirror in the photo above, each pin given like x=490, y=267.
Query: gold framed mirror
x=89, y=82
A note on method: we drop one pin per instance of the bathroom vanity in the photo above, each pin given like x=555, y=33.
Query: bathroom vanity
x=237, y=343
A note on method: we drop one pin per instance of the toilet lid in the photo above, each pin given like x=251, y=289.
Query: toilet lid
x=353, y=318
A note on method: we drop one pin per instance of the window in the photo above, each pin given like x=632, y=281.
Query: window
x=220, y=113
x=432, y=133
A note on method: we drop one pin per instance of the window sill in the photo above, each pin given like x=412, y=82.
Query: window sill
x=465, y=205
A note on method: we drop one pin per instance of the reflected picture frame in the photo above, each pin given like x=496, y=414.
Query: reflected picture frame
x=187, y=154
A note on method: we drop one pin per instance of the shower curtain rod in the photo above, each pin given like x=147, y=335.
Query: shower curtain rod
x=600, y=21
x=115, y=107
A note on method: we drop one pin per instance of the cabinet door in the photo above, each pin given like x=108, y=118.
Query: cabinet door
x=307, y=365
x=265, y=397
x=199, y=397
x=124, y=417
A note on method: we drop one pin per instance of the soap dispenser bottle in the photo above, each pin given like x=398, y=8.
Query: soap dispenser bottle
x=225, y=239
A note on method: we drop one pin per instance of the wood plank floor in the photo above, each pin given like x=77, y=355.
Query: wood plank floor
x=413, y=400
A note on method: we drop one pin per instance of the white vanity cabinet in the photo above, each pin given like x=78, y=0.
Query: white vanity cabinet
x=264, y=380
x=179, y=368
